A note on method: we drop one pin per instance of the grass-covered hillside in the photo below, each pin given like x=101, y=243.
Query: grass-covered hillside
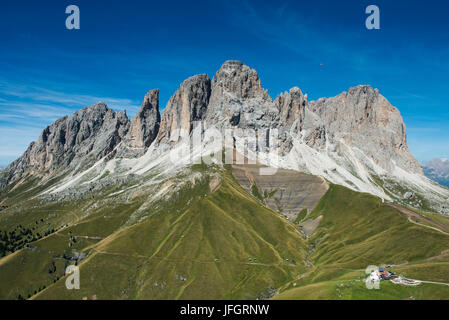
x=212, y=239
x=357, y=230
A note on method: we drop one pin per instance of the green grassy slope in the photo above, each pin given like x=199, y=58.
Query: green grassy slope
x=356, y=290
x=198, y=245
x=26, y=271
x=220, y=245
x=224, y=244
x=356, y=231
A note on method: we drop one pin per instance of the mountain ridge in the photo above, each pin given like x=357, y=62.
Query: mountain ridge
x=351, y=139
x=438, y=170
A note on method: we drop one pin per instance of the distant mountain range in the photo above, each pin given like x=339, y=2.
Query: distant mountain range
x=438, y=170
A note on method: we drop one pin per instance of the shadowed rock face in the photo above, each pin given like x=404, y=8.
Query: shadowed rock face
x=292, y=112
x=292, y=107
x=145, y=125
x=188, y=104
x=143, y=128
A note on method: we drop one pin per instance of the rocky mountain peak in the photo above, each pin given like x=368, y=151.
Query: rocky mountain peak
x=122, y=115
x=362, y=89
x=363, y=94
x=188, y=104
x=145, y=125
x=97, y=107
x=291, y=106
x=150, y=102
x=74, y=141
x=236, y=78
x=363, y=118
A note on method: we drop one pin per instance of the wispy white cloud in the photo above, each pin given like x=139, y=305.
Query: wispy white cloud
x=67, y=100
x=17, y=110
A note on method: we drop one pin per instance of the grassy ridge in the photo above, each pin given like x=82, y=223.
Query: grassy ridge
x=219, y=245
x=356, y=231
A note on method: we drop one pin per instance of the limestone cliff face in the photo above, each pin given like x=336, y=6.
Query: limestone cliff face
x=145, y=125
x=188, y=104
x=358, y=120
x=292, y=110
x=75, y=142
x=291, y=106
x=364, y=119
x=238, y=79
x=143, y=128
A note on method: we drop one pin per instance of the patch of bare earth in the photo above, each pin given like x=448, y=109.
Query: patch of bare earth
x=309, y=226
x=286, y=191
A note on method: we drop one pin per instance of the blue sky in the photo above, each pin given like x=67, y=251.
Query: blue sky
x=125, y=48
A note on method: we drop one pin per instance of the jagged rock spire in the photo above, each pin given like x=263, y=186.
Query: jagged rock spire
x=145, y=125
x=238, y=79
x=188, y=104
x=291, y=106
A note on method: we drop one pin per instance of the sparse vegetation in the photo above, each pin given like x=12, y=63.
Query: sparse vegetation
x=255, y=191
x=301, y=215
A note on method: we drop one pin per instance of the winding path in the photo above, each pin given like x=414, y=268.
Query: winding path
x=413, y=216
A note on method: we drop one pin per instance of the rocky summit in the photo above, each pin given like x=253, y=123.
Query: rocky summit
x=72, y=143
